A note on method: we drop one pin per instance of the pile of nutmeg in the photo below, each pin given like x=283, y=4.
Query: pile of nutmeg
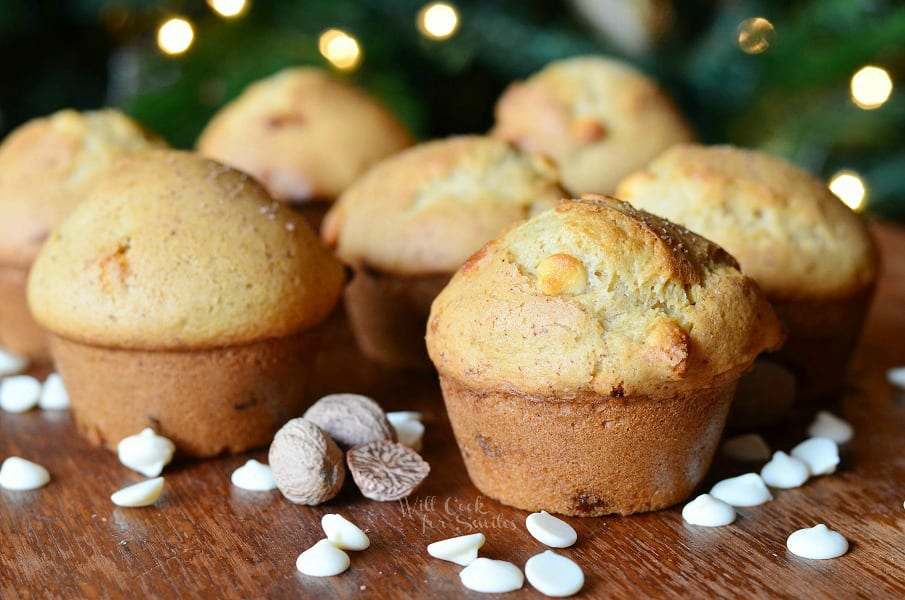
x=309, y=454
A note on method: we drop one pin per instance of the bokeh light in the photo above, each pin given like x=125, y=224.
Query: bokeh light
x=438, y=20
x=228, y=8
x=340, y=48
x=871, y=87
x=755, y=35
x=175, y=36
x=850, y=188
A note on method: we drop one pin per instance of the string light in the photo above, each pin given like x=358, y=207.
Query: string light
x=175, y=36
x=871, y=87
x=850, y=188
x=438, y=20
x=340, y=48
x=228, y=8
x=755, y=35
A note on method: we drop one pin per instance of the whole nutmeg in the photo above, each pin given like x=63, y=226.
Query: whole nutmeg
x=307, y=465
x=386, y=471
x=350, y=419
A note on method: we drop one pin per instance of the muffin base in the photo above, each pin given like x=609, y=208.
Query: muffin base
x=18, y=330
x=206, y=401
x=388, y=316
x=590, y=456
x=765, y=395
x=822, y=338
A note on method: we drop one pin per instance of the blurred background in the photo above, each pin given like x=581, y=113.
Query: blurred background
x=820, y=82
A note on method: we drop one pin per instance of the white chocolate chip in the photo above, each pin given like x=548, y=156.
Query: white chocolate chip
x=409, y=432
x=19, y=393
x=785, y=472
x=896, y=376
x=11, y=363
x=323, y=559
x=492, y=576
x=820, y=454
x=830, y=426
x=343, y=533
x=20, y=474
x=818, y=542
x=144, y=493
x=749, y=447
x=398, y=416
x=707, y=511
x=145, y=452
x=554, y=575
x=53, y=394
x=744, y=490
x=462, y=550
x=254, y=476
x=550, y=530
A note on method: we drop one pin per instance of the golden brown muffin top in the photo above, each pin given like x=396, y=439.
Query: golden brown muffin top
x=48, y=165
x=787, y=230
x=303, y=134
x=426, y=210
x=174, y=251
x=597, y=297
x=598, y=118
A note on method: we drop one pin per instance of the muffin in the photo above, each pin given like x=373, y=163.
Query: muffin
x=406, y=226
x=180, y=296
x=812, y=256
x=588, y=358
x=303, y=134
x=47, y=166
x=598, y=118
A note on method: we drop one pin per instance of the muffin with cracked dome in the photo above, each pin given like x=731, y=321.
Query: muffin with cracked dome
x=303, y=133
x=813, y=257
x=588, y=358
x=180, y=296
x=47, y=166
x=406, y=226
x=598, y=118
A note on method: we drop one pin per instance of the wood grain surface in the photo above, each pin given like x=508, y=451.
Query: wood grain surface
x=207, y=539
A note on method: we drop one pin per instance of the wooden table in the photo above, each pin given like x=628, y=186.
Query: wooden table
x=206, y=538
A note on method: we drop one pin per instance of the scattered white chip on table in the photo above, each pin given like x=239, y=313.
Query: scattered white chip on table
x=145, y=452
x=462, y=550
x=554, y=575
x=707, y=511
x=53, y=394
x=550, y=530
x=19, y=393
x=896, y=376
x=397, y=416
x=745, y=490
x=20, y=474
x=821, y=455
x=492, y=576
x=11, y=363
x=818, y=542
x=323, y=559
x=830, y=426
x=785, y=472
x=749, y=447
x=408, y=426
x=343, y=533
x=409, y=433
x=254, y=476
x=144, y=493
